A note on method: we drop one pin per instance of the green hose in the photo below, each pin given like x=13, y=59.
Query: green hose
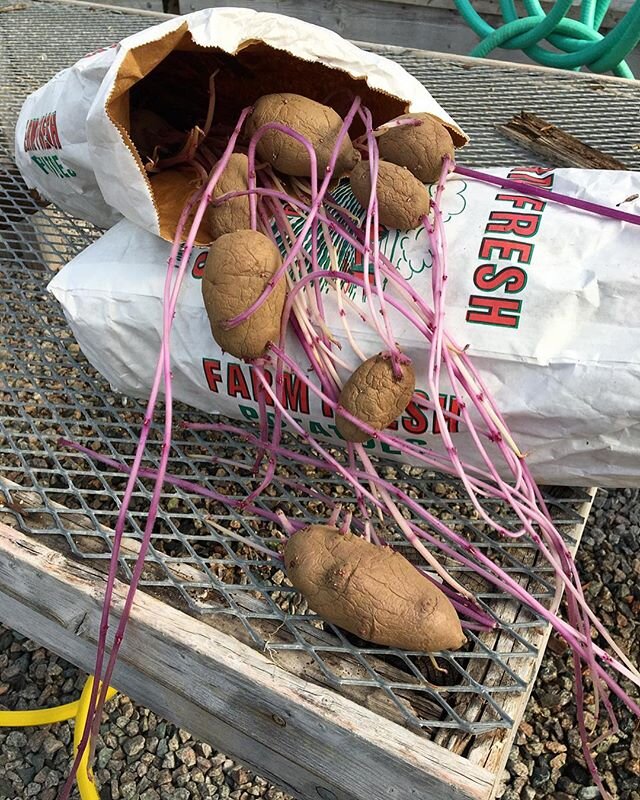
x=580, y=41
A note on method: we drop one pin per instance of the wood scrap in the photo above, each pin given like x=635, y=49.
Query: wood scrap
x=556, y=145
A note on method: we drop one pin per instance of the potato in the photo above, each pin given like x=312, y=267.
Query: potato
x=317, y=123
x=149, y=130
x=402, y=199
x=171, y=189
x=419, y=148
x=232, y=215
x=238, y=268
x=370, y=591
x=374, y=395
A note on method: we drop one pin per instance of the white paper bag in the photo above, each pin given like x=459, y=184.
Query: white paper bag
x=73, y=141
x=546, y=298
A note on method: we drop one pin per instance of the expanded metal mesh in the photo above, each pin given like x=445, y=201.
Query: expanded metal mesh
x=48, y=391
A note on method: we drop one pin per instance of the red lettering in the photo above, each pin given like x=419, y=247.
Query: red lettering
x=512, y=279
x=454, y=408
x=236, y=382
x=500, y=311
x=28, y=136
x=197, y=271
x=506, y=249
x=54, y=132
x=536, y=179
x=326, y=409
x=415, y=420
x=258, y=387
x=512, y=222
x=296, y=393
x=520, y=201
x=442, y=401
x=211, y=367
x=42, y=133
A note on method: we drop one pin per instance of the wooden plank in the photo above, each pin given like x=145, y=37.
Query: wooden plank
x=559, y=147
x=308, y=739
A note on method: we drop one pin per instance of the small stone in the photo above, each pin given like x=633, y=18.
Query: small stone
x=103, y=756
x=187, y=756
x=588, y=793
x=557, y=762
x=556, y=747
x=128, y=791
x=164, y=777
x=36, y=739
x=27, y=774
x=185, y=736
x=204, y=749
x=162, y=748
x=540, y=775
x=40, y=776
x=16, y=739
x=240, y=776
x=36, y=760
x=633, y=765
x=227, y=765
x=51, y=745
x=150, y=794
x=133, y=747
x=169, y=761
x=33, y=789
x=52, y=779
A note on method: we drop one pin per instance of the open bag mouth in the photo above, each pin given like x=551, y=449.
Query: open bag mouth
x=168, y=80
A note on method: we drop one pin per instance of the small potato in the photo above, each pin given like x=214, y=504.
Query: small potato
x=319, y=124
x=370, y=591
x=419, y=148
x=171, y=189
x=402, y=199
x=374, y=395
x=238, y=268
x=233, y=214
x=149, y=130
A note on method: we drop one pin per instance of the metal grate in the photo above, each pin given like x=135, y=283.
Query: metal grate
x=48, y=391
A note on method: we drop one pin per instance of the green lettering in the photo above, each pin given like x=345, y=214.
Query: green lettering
x=248, y=412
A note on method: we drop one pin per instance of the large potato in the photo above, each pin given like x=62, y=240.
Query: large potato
x=402, y=199
x=238, y=268
x=374, y=395
x=232, y=215
x=370, y=591
x=319, y=124
x=171, y=190
x=419, y=148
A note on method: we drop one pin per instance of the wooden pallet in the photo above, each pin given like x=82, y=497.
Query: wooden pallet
x=278, y=720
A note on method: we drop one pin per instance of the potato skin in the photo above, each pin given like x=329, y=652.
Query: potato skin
x=318, y=123
x=375, y=396
x=402, y=199
x=232, y=215
x=419, y=148
x=238, y=268
x=371, y=591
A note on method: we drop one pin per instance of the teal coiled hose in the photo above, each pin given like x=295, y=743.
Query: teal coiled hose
x=580, y=40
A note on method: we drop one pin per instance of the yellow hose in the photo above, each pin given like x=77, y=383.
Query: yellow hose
x=78, y=710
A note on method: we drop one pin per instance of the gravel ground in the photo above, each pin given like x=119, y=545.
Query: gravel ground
x=142, y=756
